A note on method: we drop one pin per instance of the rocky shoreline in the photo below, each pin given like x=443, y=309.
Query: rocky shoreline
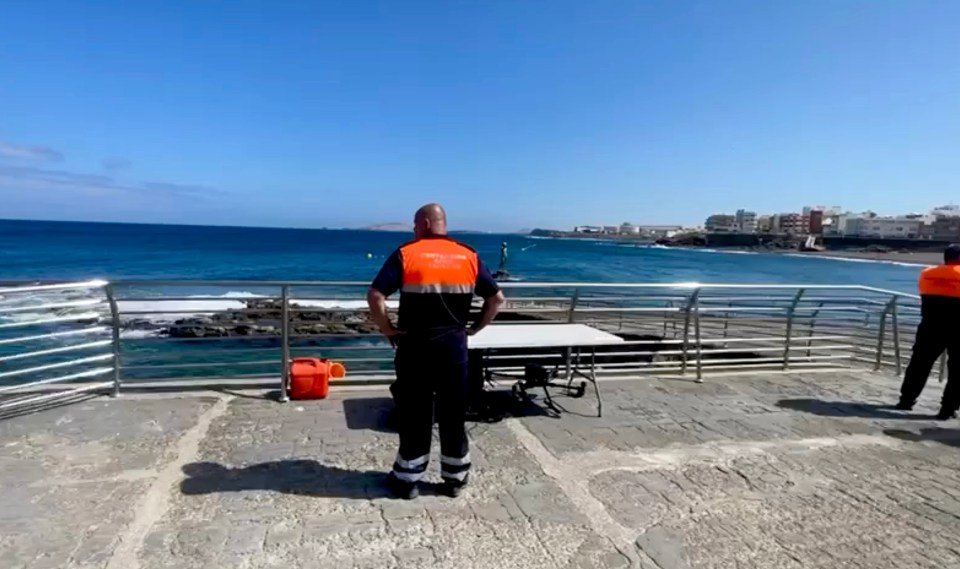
x=261, y=317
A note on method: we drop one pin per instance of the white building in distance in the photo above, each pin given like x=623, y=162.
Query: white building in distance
x=746, y=221
x=881, y=227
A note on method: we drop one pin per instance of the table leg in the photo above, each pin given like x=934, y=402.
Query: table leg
x=593, y=378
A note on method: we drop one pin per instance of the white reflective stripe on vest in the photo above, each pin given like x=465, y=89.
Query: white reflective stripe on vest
x=438, y=288
x=451, y=461
x=414, y=463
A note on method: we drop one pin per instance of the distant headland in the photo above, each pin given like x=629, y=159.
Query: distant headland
x=389, y=227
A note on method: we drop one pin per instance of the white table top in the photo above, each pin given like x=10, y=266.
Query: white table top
x=540, y=336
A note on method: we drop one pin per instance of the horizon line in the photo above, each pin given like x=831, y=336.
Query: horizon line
x=370, y=228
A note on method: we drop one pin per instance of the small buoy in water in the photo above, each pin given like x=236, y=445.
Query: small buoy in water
x=369, y=255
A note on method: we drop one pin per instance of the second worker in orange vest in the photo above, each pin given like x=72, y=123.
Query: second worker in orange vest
x=437, y=278
x=939, y=331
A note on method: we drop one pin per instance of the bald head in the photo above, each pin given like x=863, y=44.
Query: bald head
x=430, y=220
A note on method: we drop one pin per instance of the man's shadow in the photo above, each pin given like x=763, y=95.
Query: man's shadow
x=300, y=477
x=848, y=409
x=949, y=437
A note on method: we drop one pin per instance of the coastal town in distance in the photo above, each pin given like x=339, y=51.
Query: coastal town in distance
x=813, y=229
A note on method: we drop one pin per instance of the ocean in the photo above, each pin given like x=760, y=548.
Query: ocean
x=34, y=250
x=40, y=250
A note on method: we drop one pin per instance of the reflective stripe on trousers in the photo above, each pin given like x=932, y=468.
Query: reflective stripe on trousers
x=455, y=469
x=410, y=470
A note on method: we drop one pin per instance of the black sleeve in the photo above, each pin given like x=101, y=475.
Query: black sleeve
x=390, y=278
x=485, y=286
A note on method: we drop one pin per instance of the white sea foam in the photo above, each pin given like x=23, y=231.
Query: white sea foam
x=338, y=303
x=165, y=311
x=160, y=312
x=168, y=310
x=138, y=334
x=857, y=260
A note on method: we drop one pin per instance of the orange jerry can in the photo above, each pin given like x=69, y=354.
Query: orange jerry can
x=310, y=377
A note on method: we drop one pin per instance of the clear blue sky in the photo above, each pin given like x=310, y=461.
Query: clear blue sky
x=512, y=113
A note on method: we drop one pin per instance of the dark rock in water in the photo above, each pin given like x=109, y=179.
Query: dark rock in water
x=185, y=332
x=139, y=324
x=264, y=317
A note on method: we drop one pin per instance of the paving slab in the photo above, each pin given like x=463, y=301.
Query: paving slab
x=764, y=471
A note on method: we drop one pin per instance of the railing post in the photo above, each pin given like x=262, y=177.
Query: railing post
x=726, y=323
x=668, y=315
x=943, y=367
x=789, y=331
x=696, y=333
x=813, y=325
x=881, y=332
x=686, y=328
x=896, y=334
x=571, y=316
x=115, y=332
x=285, y=342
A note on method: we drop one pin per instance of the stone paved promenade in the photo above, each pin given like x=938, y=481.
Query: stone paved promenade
x=795, y=471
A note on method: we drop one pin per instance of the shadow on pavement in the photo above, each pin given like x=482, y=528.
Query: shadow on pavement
x=493, y=405
x=847, y=409
x=300, y=477
x=949, y=437
x=369, y=413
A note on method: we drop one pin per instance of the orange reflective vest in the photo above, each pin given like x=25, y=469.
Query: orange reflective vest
x=439, y=277
x=439, y=265
x=943, y=280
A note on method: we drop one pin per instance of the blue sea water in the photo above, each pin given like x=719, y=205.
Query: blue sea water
x=31, y=250
x=37, y=250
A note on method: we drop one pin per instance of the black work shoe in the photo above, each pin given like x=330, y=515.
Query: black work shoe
x=401, y=488
x=945, y=415
x=904, y=406
x=451, y=490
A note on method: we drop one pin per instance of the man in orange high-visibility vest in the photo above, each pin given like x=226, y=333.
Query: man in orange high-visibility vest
x=437, y=278
x=939, y=331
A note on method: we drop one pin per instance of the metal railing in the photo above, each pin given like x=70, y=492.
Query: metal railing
x=57, y=341
x=185, y=333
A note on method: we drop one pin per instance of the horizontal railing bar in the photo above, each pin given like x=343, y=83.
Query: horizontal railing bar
x=79, y=375
x=33, y=285
x=211, y=298
x=205, y=353
x=384, y=346
x=201, y=365
x=34, y=308
x=47, y=367
x=200, y=379
x=54, y=286
x=56, y=395
x=58, y=319
x=51, y=351
x=64, y=334
x=208, y=338
x=199, y=311
x=708, y=363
